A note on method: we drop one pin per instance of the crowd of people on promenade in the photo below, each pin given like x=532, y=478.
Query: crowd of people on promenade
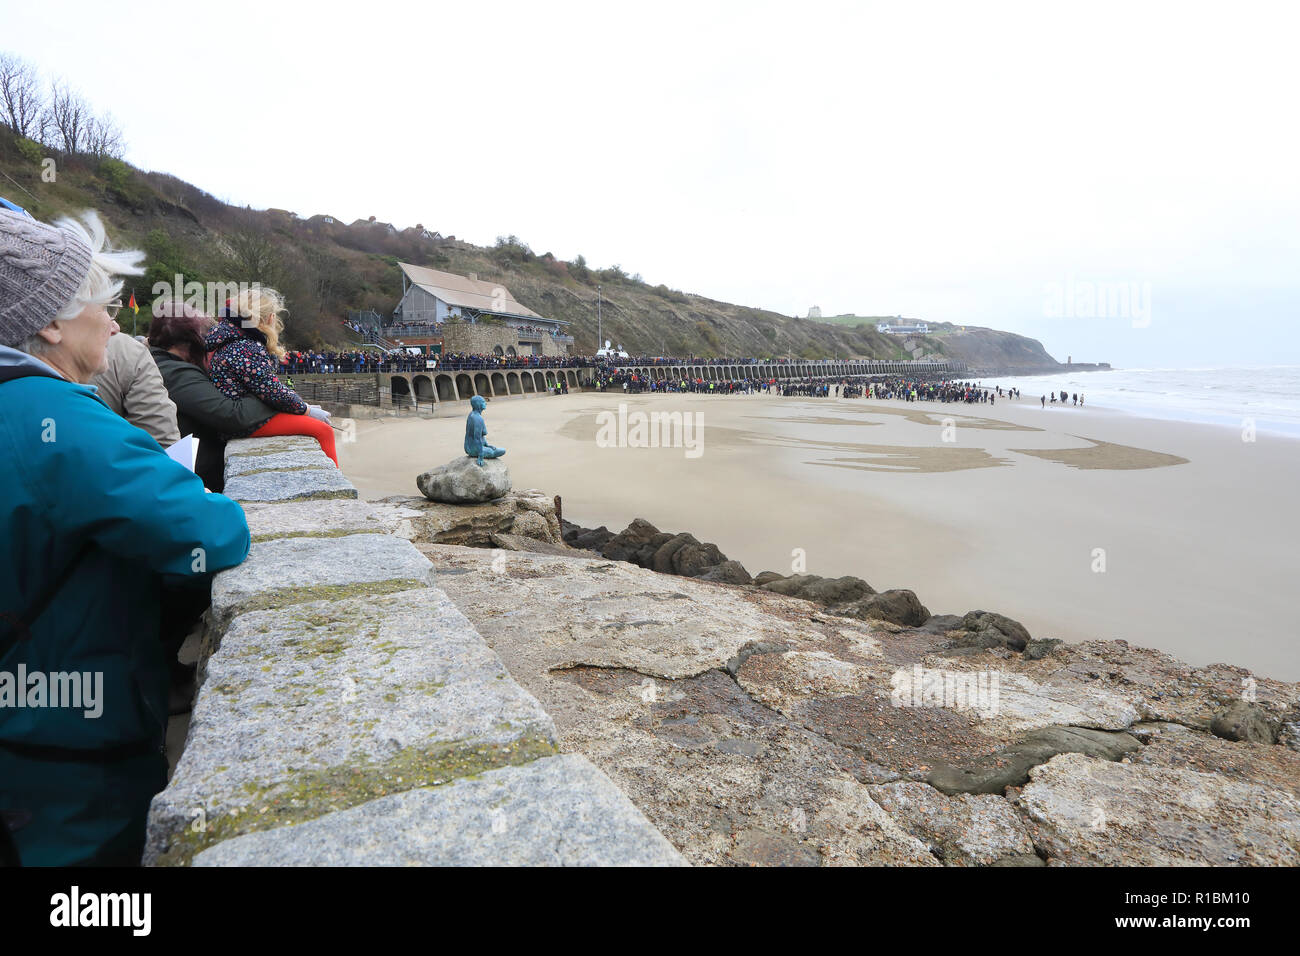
x=635, y=383
x=358, y=361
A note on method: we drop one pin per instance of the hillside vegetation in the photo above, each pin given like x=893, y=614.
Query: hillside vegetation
x=326, y=269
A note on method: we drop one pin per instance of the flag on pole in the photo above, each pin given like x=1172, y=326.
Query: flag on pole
x=132, y=306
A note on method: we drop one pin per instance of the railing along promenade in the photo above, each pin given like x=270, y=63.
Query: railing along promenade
x=402, y=384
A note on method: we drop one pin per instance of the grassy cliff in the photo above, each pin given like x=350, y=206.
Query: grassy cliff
x=326, y=269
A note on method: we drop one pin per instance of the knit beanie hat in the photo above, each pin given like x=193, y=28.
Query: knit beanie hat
x=41, y=269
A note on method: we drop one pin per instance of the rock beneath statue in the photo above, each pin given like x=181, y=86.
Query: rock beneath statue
x=463, y=481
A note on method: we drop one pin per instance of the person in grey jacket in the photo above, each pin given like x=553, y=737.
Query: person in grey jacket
x=202, y=410
x=131, y=386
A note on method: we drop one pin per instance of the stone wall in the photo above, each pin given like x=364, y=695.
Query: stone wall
x=483, y=337
x=348, y=713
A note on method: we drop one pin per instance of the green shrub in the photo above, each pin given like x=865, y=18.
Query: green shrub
x=30, y=150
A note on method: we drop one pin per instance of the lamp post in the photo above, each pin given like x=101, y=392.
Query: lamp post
x=600, y=337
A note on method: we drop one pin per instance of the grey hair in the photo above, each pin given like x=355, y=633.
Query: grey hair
x=101, y=285
x=34, y=345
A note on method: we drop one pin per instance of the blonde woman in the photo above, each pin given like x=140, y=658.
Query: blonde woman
x=245, y=347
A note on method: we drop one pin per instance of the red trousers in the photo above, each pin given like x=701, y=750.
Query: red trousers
x=285, y=424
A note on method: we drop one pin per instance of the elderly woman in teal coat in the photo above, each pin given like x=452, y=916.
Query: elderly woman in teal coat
x=476, y=431
x=97, y=523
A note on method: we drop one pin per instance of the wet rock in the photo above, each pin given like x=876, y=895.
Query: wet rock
x=590, y=540
x=1241, y=720
x=1010, y=766
x=989, y=629
x=728, y=572
x=833, y=591
x=942, y=624
x=790, y=586
x=824, y=591
x=694, y=559
x=662, y=561
x=636, y=543
x=462, y=481
x=898, y=606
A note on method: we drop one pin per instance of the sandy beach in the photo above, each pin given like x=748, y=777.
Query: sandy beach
x=1080, y=523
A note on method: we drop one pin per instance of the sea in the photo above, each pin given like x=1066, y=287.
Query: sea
x=1266, y=396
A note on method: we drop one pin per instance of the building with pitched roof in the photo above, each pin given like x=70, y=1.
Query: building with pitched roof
x=431, y=299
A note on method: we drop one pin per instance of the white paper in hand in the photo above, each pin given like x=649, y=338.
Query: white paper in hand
x=186, y=451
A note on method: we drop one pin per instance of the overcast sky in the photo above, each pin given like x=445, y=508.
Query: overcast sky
x=977, y=163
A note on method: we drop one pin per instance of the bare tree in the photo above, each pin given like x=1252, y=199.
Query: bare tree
x=252, y=256
x=69, y=117
x=103, y=137
x=20, y=96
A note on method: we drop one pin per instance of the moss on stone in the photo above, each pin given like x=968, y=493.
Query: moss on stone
x=326, y=466
x=329, y=533
x=313, y=496
x=283, y=597
x=313, y=793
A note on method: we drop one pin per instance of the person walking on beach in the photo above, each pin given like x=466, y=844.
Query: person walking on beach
x=1044, y=401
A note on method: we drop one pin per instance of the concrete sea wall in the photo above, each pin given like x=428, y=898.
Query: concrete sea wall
x=348, y=713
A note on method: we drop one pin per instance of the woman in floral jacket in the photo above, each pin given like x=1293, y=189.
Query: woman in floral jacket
x=242, y=345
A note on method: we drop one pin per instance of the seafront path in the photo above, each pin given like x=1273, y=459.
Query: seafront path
x=460, y=381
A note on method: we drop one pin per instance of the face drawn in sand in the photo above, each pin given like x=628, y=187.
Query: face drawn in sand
x=861, y=457
x=915, y=415
x=906, y=458
x=1104, y=456
x=813, y=420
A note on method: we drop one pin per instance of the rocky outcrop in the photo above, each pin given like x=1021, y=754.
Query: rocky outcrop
x=1097, y=813
x=525, y=514
x=1010, y=766
x=463, y=481
x=850, y=597
x=961, y=830
x=1242, y=720
x=985, y=629
x=644, y=545
x=751, y=731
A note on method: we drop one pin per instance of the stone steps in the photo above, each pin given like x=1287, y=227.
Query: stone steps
x=349, y=713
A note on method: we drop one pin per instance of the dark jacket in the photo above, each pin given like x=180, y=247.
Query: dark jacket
x=241, y=365
x=204, y=411
x=97, y=519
